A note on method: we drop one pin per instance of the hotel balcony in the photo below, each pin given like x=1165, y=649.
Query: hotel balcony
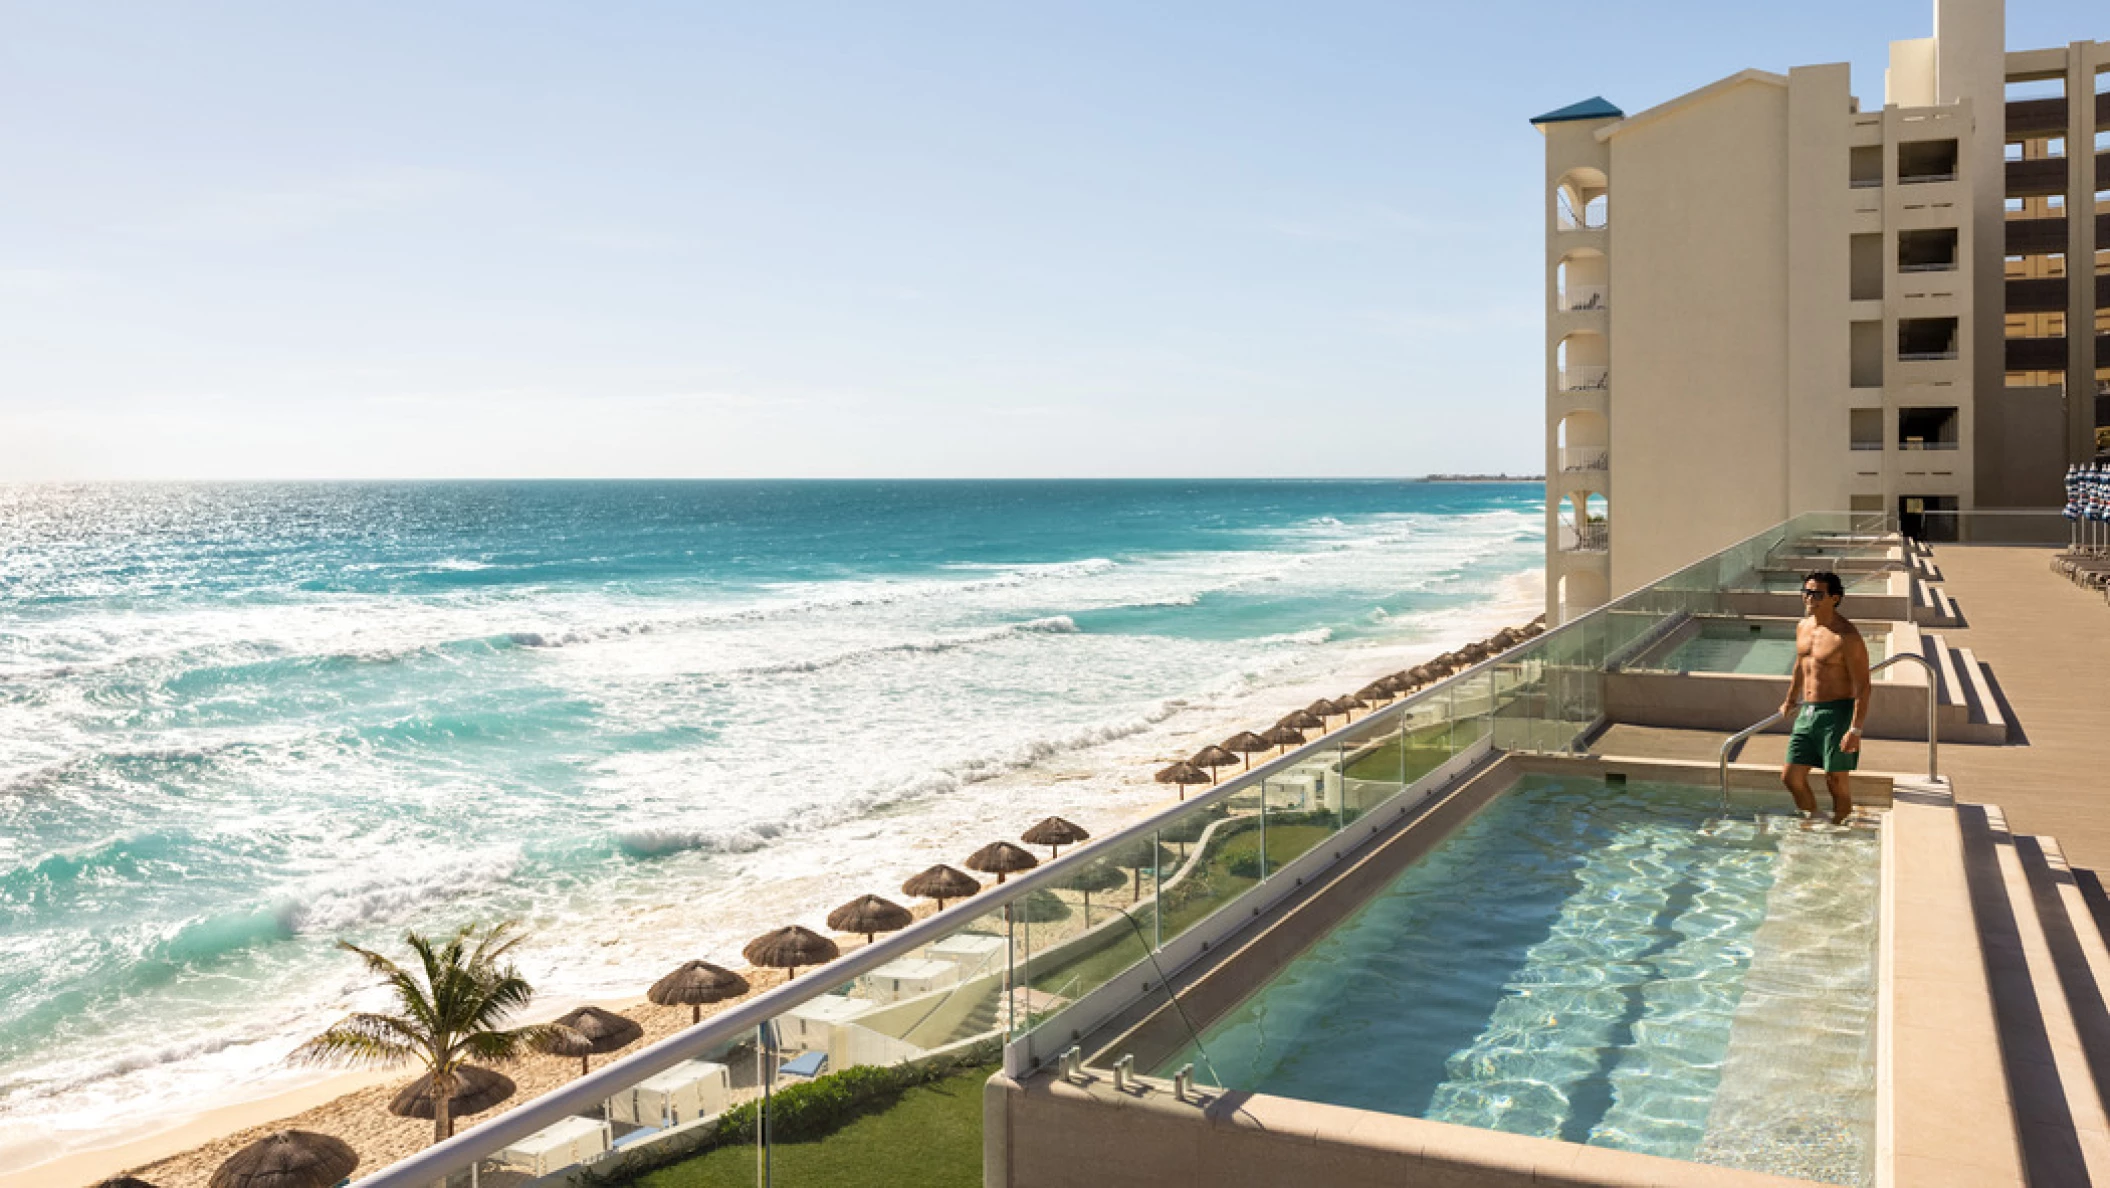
x=1583, y=298
x=1578, y=459
x=1590, y=538
x=1585, y=378
x=1923, y=161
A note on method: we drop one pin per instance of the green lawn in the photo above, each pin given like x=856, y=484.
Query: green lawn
x=931, y=1137
x=1208, y=888
x=1423, y=753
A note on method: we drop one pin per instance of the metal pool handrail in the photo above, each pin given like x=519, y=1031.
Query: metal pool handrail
x=1933, y=701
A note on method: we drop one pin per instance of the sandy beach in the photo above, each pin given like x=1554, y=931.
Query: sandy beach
x=353, y=1106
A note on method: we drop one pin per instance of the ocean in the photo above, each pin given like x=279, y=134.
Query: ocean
x=649, y=719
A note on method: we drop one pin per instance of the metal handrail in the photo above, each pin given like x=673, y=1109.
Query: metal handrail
x=1933, y=702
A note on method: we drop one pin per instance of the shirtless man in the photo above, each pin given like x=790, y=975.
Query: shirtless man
x=1830, y=684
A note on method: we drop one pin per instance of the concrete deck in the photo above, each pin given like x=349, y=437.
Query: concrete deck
x=2047, y=642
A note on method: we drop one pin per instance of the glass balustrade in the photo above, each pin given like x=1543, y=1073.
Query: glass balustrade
x=880, y=1054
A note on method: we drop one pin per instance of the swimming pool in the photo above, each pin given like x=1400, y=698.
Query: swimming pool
x=1787, y=581
x=1741, y=646
x=1582, y=961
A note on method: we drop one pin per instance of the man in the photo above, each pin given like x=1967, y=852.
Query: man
x=1830, y=684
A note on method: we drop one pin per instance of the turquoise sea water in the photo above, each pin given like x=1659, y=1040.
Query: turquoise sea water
x=239, y=722
x=1599, y=965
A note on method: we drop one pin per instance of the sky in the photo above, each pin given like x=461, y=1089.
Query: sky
x=902, y=239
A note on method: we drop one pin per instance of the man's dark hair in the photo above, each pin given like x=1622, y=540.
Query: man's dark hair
x=1831, y=581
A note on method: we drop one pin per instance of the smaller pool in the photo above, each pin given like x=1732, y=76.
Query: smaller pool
x=1783, y=581
x=1763, y=649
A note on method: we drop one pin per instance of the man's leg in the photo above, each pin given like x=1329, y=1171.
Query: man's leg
x=1842, y=795
x=1797, y=777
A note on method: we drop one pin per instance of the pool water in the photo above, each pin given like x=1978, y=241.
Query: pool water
x=1782, y=581
x=1764, y=649
x=1600, y=964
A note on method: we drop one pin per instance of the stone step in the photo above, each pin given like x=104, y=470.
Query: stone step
x=2047, y=998
x=1985, y=708
x=1945, y=667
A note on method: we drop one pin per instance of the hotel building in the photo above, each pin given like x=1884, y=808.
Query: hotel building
x=1765, y=298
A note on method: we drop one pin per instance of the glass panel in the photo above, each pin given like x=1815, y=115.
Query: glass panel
x=1472, y=708
x=1373, y=766
x=1295, y=818
x=1094, y=924
x=1198, y=875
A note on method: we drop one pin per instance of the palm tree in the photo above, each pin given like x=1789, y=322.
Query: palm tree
x=450, y=1010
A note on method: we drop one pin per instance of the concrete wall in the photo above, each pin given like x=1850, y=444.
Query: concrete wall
x=1700, y=359
x=1044, y=1132
x=1971, y=68
x=1820, y=222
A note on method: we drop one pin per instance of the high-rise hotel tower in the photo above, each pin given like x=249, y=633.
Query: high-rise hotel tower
x=1764, y=298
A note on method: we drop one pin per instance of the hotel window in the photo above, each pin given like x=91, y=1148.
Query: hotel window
x=1865, y=363
x=1865, y=268
x=1926, y=161
x=1865, y=428
x=1928, y=250
x=1926, y=340
x=2014, y=150
x=1864, y=167
x=1927, y=428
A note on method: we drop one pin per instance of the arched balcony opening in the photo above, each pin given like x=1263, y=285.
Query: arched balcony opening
x=1584, y=441
x=1585, y=523
x=1582, y=200
x=1581, y=281
x=1583, y=359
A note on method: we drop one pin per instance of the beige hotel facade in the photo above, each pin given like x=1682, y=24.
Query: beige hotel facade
x=1765, y=297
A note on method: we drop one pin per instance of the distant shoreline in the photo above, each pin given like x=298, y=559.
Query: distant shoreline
x=1481, y=478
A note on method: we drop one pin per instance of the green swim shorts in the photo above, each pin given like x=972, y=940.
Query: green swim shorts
x=1819, y=729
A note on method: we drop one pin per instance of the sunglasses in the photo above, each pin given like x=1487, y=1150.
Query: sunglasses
x=1809, y=593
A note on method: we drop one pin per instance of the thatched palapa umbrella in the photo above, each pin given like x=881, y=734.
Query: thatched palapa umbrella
x=790, y=947
x=1096, y=876
x=1302, y=719
x=696, y=985
x=1324, y=709
x=870, y=914
x=1349, y=704
x=1055, y=833
x=1474, y=652
x=124, y=1182
x=1285, y=736
x=475, y=1090
x=1246, y=744
x=1003, y=858
x=288, y=1159
x=941, y=882
x=1183, y=773
x=588, y=1032
x=1212, y=757
x=1378, y=690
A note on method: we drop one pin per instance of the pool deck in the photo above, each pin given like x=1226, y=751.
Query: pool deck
x=2047, y=645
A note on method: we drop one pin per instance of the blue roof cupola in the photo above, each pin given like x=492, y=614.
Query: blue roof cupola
x=1596, y=107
